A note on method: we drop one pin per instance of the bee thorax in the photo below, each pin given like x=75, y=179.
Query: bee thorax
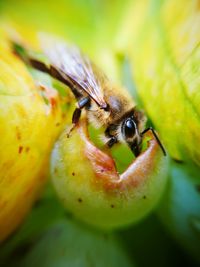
x=97, y=116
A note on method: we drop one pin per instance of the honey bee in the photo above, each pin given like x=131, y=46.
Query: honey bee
x=106, y=105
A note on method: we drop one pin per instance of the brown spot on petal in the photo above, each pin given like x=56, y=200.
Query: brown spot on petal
x=53, y=102
x=73, y=173
x=20, y=149
x=27, y=149
x=18, y=134
x=80, y=200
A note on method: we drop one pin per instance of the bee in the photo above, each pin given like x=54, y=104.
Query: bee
x=106, y=105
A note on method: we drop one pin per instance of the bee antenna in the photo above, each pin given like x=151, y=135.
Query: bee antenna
x=156, y=137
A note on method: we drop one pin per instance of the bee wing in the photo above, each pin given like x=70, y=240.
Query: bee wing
x=71, y=63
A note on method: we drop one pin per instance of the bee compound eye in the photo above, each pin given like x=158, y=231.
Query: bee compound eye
x=129, y=128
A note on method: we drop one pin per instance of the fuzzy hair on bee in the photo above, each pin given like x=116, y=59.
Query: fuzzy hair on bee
x=106, y=105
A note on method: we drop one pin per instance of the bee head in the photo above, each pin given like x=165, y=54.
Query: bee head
x=131, y=134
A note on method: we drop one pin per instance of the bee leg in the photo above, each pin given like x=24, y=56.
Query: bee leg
x=156, y=137
x=111, y=141
x=83, y=102
x=77, y=112
x=76, y=116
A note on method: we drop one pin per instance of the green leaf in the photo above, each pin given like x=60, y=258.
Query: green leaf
x=166, y=70
x=180, y=208
x=50, y=238
x=69, y=244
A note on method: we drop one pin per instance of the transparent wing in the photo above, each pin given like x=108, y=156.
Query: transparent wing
x=70, y=61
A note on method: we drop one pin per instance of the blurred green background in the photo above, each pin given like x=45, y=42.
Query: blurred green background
x=152, y=47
